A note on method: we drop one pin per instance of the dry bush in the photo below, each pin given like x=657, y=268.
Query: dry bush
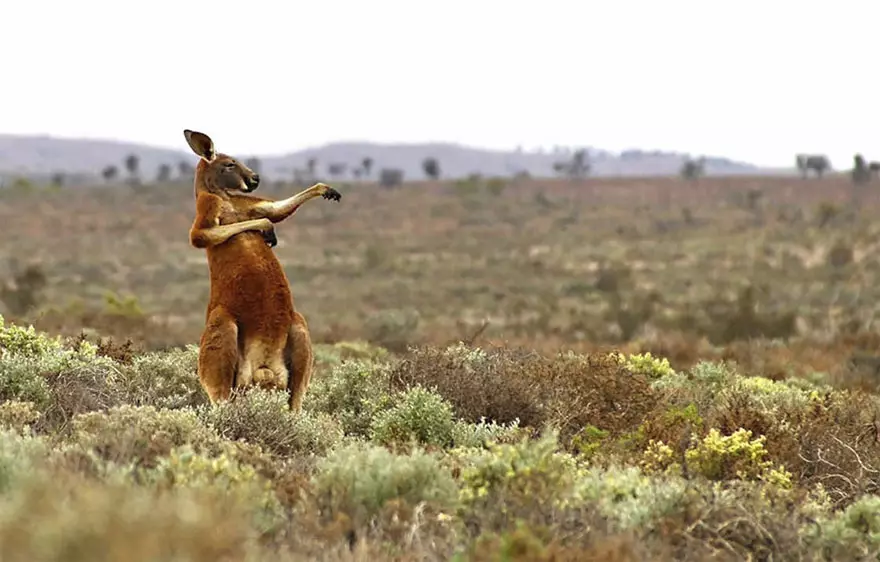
x=502, y=385
x=140, y=435
x=539, y=544
x=479, y=384
x=120, y=352
x=839, y=447
x=86, y=387
x=738, y=523
x=353, y=392
x=262, y=417
x=166, y=380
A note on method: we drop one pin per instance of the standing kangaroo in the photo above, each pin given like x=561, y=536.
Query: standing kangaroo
x=253, y=334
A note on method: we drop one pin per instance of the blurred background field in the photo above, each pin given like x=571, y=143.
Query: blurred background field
x=687, y=268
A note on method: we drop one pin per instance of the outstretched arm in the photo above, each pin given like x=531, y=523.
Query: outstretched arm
x=277, y=211
x=207, y=231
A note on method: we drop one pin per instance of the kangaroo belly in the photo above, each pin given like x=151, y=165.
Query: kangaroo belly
x=249, y=282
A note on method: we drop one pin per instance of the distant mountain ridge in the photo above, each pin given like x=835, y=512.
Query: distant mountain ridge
x=41, y=156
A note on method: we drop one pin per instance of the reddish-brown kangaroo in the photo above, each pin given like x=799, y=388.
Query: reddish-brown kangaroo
x=253, y=334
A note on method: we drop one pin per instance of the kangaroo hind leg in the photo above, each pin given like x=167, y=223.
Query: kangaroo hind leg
x=301, y=359
x=218, y=355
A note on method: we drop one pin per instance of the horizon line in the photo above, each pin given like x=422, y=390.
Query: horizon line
x=540, y=150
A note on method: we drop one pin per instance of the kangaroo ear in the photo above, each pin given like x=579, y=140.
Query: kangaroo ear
x=201, y=144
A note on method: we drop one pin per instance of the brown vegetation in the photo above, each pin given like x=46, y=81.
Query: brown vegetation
x=550, y=264
x=532, y=441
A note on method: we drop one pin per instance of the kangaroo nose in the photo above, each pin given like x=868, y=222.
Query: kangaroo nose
x=255, y=180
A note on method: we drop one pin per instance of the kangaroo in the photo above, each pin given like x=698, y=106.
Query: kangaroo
x=253, y=335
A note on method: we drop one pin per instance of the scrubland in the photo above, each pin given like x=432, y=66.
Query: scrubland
x=612, y=370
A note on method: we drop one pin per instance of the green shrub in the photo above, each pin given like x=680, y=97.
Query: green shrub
x=588, y=440
x=16, y=340
x=419, y=415
x=352, y=392
x=166, y=380
x=700, y=386
x=262, y=417
x=628, y=497
x=184, y=467
x=646, y=364
x=720, y=457
x=851, y=534
x=518, y=478
x=484, y=433
x=18, y=415
x=20, y=456
x=779, y=398
x=359, y=479
x=21, y=379
x=60, y=381
x=139, y=435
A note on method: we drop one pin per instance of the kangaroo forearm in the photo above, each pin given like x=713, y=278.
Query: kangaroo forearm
x=206, y=237
x=277, y=211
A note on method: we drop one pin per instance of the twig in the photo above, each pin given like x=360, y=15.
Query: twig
x=478, y=333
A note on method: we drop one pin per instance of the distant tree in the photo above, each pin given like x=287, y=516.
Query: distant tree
x=577, y=167
x=110, y=173
x=358, y=172
x=185, y=170
x=367, y=165
x=132, y=166
x=253, y=163
x=860, y=171
x=817, y=162
x=57, y=179
x=693, y=169
x=580, y=165
x=431, y=168
x=163, y=175
x=335, y=169
x=312, y=165
x=390, y=177
x=874, y=168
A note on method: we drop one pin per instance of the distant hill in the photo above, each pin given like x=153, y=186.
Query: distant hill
x=41, y=156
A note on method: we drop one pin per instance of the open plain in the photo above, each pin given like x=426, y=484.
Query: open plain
x=483, y=386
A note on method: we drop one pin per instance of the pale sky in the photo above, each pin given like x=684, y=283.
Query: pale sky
x=750, y=80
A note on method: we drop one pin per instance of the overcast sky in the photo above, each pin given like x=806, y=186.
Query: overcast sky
x=756, y=81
